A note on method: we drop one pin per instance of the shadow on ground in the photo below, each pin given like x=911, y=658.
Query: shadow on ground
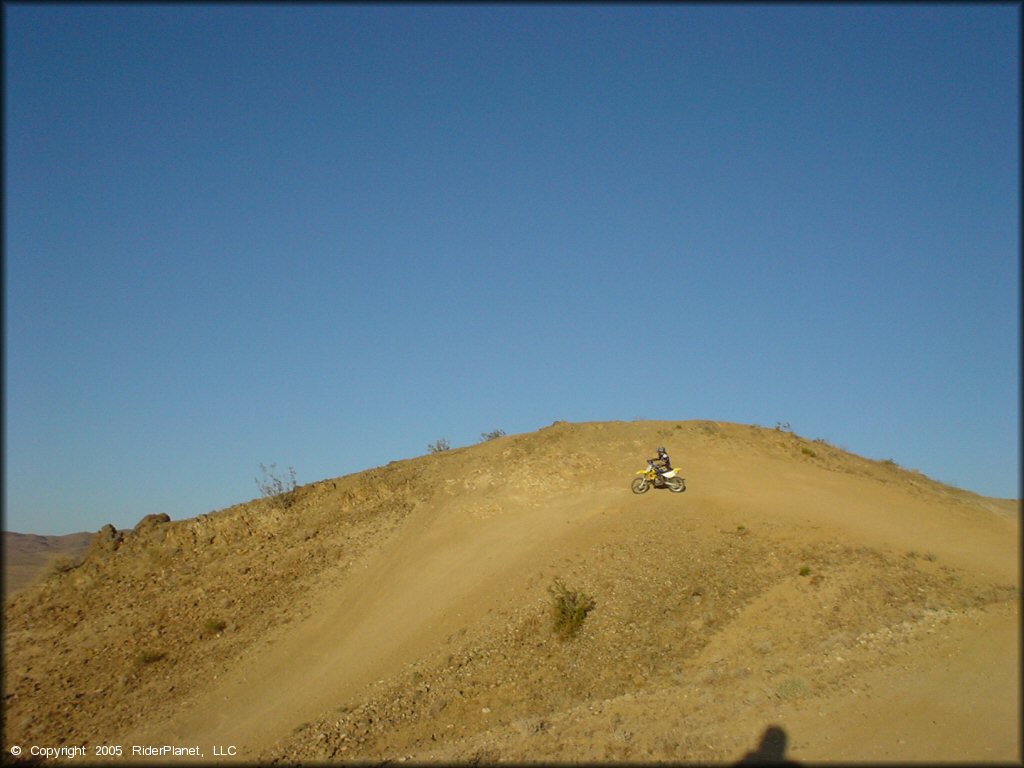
x=771, y=750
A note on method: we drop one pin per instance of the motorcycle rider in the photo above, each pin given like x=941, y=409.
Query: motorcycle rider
x=655, y=475
x=661, y=463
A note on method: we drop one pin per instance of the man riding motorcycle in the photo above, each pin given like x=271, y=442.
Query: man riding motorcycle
x=661, y=463
x=659, y=474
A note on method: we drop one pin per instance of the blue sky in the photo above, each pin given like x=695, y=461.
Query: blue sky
x=325, y=236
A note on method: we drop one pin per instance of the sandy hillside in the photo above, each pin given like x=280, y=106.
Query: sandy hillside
x=858, y=610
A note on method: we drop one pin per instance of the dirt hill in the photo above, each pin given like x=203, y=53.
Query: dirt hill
x=405, y=613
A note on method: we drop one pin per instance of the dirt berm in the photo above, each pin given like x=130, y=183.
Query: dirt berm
x=796, y=601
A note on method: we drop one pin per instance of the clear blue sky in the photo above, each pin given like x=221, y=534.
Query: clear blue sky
x=325, y=236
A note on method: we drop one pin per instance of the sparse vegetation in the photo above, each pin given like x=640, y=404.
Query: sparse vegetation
x=791, y=688
x=494, y=435
x=569, y=609
x=783, y=426
x=439, y=446
x=281, y=491
x=809, y=452
x=805, y=571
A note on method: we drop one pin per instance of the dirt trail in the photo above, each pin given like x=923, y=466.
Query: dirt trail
x=401, y=603
x=953, y=697
x=872, y=513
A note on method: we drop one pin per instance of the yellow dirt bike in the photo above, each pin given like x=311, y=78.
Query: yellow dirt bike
x=652, y=478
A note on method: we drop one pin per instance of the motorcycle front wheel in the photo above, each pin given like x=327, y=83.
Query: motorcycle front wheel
x=640, y=485
x=676, y=484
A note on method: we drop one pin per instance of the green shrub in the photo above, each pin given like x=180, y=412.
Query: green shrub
x=808, y=452
x=805, y=571
x=569, y=609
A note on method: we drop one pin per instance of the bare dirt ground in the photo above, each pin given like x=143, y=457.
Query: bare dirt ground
x=404, y=613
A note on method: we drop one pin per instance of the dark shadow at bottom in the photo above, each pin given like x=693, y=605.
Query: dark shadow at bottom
x=772, y=749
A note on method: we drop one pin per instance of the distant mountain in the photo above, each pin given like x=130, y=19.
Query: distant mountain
x=28, y=557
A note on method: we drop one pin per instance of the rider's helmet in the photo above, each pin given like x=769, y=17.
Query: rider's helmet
x=661, y=449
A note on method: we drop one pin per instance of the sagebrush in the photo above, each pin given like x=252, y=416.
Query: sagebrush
x=281, y=491
x=569, y=609
x=215, y=626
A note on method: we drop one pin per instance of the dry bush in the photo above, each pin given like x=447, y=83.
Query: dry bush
x=214, y=626
x=280, y=491
x=63, y=564
x=569, y=609
x=145, y=657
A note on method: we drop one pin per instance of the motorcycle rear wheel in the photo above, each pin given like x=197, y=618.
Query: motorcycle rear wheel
x=676, y=484
x=640, y=485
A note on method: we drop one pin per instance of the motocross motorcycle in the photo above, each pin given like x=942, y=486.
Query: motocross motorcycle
x=652, y=478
